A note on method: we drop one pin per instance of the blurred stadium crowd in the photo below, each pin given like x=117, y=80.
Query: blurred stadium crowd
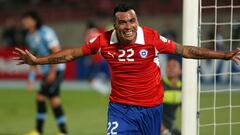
x=69, y=16
x=75, y=20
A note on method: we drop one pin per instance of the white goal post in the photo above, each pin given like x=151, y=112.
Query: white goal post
x=189, y=68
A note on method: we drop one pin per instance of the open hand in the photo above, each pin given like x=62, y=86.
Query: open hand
x=24, y=57
x=234, y=55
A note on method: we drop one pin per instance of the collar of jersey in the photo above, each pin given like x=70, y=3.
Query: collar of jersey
x=167, y=82
x=139, y=40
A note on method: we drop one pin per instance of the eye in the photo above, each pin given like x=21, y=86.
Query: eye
x=133, y=20
x=121, y=22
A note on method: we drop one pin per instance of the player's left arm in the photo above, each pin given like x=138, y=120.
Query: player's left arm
x=31, y=77
x=193, y=52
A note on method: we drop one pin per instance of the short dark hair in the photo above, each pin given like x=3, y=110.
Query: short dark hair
x=35, y=16
x=121, y=8
x=173, y=58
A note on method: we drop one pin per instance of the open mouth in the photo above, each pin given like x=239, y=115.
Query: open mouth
x=128, y=33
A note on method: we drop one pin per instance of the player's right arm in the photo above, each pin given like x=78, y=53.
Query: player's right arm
x=63, y=56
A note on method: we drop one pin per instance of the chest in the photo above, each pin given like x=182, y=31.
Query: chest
x=34, y=40
x=128, y=55
x=38, y=45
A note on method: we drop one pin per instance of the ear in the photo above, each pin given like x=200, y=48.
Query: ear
x=114, y=22
x=114, y=25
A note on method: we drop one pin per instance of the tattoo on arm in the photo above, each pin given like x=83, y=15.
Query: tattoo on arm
x=198, y=52
x=57, y=59
x=202, y=53
x=179, y=49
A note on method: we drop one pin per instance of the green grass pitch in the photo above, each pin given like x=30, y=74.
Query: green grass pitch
x=222, y=115
x=86, y=113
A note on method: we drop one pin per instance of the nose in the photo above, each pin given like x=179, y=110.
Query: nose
x=128, y=25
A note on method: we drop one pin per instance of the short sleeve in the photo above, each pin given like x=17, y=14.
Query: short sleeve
x=29, y=42
x=91, y=47
x=164, y=45
x=51, y=38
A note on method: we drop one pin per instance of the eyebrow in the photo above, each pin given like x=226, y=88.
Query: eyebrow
x=128, y=19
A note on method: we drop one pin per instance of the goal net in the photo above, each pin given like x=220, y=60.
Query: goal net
x=218, y=80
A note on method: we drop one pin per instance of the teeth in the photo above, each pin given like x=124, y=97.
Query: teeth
x=129, y=33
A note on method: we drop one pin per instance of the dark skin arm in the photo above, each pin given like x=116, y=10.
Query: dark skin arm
x=193, y=52
x=63, y=56
x=25, y=57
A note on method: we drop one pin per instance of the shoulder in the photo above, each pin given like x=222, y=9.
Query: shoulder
x=149, y=31
x=46, y=30
x=165, y=80
x=150, y=35
x=47, y=33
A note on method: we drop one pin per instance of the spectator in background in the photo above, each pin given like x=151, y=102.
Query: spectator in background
x=169, y=33
x=236, y=34
x=103, y=7
x=42, y=40
x=13, y=35
x=172, y=97
x=98, y=72
x=218, y=37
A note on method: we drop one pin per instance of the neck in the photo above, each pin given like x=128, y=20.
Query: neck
x=123, y=41
x=173, y=80
x=32, y=30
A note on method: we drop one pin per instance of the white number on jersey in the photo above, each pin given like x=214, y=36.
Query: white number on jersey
x=130, y=53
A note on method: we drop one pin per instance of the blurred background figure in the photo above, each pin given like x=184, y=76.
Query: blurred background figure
x=13, y=35
x=236, y=34
x=168, y=32
x=218, y=37
x=42, y=41
x=98, y=72
x=172, y=97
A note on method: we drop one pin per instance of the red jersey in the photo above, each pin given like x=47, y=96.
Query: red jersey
x=135, y=74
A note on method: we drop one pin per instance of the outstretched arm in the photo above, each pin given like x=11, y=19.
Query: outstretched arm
x=203, y=53
x=63, y=56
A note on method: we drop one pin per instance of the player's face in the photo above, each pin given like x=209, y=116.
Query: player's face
x=126, y=25
x=173, y=69
x=29, y=23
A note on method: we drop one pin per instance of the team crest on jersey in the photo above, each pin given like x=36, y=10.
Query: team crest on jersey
x=143, y=53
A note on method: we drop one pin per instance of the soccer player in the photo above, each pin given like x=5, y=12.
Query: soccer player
x=172, y=97
x=42, y=41
x=98, y=69
x=135, y=106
